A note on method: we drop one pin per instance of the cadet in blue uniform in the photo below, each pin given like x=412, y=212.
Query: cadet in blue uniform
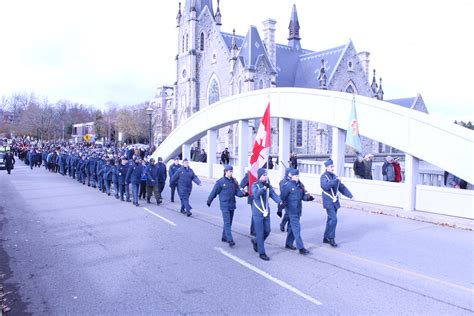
x=133, y=176
x=107, y=175
x=245, y=183
x=331, y=185
x=262, y=191
x=292, y=193
x=184, y=179
x=152, y=182
x=91, y=166
x=285, y=220
x=227, y=188
x=122, y=179
x=162, y=175
x=115, y=177
x=173, y=168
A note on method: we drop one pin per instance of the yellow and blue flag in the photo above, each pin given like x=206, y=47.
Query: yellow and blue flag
x=352, y=134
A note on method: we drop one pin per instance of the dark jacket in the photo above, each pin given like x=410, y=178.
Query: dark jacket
x=184, y=179
x=122, y=174
x=292, y=194
x=152, y=174
x=331, y=185
x=134, y=174
x=162, y=174
x=359, y=168
x=172, y=169
x=9, y=160
x=227, y=189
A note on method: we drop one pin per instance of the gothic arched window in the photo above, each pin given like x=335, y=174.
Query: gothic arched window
x=182, y=45
x=299, y=133
x=350, y=89
x=202, y=41
x=240, y=86
x=187, y=42
x=260, y=84
x=213, y=92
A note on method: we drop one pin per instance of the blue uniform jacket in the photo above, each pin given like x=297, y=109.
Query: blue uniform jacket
x=92, y=165
x=134, y=174
x=172, y=170
x=162, y=173
x=292, y=193
x=184, y=178
x=107, y=172
x=331, y=185
x=227, y=189
x=122, y=174
x=114, y=172
x=152, y=175
x=260, y=196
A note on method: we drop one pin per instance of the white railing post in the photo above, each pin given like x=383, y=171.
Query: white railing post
x=411, y=180
x=211, y=151
x=186, y=151
x=338, y=150
x=243, y=157
x=283, y=143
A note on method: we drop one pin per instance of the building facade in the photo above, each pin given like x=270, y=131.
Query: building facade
x=212, y=64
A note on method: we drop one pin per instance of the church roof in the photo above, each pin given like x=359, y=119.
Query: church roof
x=228, y=40
x=295, y=68
x=301, y=68
x=405, y=102
x=252, y=49
x=199, y=5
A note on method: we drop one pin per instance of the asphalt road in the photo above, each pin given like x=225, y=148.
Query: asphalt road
x=68, y=249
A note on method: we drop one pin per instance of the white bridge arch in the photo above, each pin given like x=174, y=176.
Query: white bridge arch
x=419, y=135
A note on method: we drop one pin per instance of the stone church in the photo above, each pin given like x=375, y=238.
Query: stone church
x=212, y=64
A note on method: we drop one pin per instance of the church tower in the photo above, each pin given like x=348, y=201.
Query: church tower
x=187, y=83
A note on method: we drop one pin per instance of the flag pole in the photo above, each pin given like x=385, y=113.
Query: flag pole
x=268, y=152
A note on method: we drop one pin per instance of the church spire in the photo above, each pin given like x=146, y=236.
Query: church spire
x=294, y=30
x=218, y=16
x=380, y=92
x=374, y=86
x=234, y=43
x=178, y=17
x=322, y=76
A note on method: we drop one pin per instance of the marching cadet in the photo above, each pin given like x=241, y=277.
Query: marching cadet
x=107, y=175
x=262, y=191
x=227, y=188
x=162, y=175
x=115, y=177
x=331, y=185
x=99, y=166
x=133, y=175
x=292, y=193
x=173, y=168
x=184, y=179
x=122, y=179
x=245, y=183
x=285, y=220
x=152, y=182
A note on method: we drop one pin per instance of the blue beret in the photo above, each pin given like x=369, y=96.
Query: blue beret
x=261, y=172
x=328, y=162
x=294, y=172
x=228, y=167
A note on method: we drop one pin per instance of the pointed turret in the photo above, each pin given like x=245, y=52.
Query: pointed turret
x=178, y=16
x=218, y=16
x=322, y=76
x=234, y=51
x=380, y=92
x=294, y=28
x=374, y=85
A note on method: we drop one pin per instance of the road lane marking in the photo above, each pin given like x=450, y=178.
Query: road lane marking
x=160, y=217
x=269, y=277
x=372, y=262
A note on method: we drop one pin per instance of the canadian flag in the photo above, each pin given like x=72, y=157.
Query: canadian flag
x=261, y=148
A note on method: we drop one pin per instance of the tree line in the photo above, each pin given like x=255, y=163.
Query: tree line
x=27, y=114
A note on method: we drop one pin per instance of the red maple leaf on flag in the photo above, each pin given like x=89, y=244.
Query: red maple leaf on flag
x=261, y=148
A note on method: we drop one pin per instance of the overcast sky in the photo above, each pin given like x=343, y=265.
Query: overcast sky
x=94, y=51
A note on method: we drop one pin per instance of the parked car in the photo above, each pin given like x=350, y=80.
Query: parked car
x=2, y=161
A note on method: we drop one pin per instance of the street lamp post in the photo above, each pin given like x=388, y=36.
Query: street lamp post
x=149, y=111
